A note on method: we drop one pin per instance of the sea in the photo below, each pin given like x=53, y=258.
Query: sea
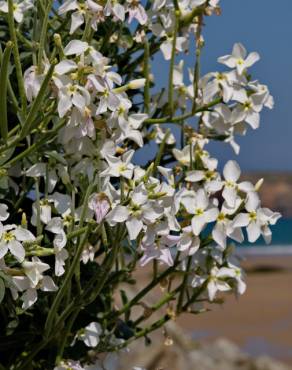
x=281, y=241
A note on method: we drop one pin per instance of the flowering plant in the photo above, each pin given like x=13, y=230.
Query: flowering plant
x=79, y=216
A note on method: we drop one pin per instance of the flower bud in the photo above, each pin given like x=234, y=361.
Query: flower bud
x=137, y=84
x=259, y=184
x=24, y=220
x=57, y=40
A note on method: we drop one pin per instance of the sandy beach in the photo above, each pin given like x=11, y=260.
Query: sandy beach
x=260, y=322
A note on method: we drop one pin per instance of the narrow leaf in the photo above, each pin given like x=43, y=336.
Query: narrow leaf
x=4, y=84
x=2, y=290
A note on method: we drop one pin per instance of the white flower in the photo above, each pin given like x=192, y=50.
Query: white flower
x=56, y=227
x=231, y=174
x=159, y=250
x=215, y=281
x=136, y=10
x=160, y=135
x=220, y=81
x=262, y=92
x=77, y=17
x=100, y=204
x=119, y=166
x=43, y=170
x=11, y=238
x=91, y=334
x=224, y=226
x=62, y=202
x=45, y=212
x=180, y=46
x=238, y=58
x=188, y=242
x=140, y=211
x=129, y=129
x=199, y=207
x=239, y=276
x=30, y=295
x=70, y=365
x=78, y=47
x=256, y=220
x=249, y=109
x=87, y=253
x=19, y=8
x=3, y=212
x=75, y=47
x=184, y=155
x=72, y=95
x=206, y=176
x=34, y=270
x=116, y=9
x=32, y=82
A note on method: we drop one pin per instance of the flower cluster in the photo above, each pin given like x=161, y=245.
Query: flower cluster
x=79, y=213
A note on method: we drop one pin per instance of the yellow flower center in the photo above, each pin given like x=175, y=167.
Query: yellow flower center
x=247, y=105
x=8, y=236
x=229, y=184
x=199, y=212
x=209, y=175
x=252, y=216
x=71, y=89
x=122, y=168
x=121, y=110
x=220, y=77
x=221, y=216
x=82, y=8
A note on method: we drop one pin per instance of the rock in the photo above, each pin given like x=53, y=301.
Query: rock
x=266, y=363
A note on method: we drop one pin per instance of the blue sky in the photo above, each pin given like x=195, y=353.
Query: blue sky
x=265, y=27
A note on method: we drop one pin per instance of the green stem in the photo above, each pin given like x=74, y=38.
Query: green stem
x=53, y=310
x=177, y=119
x=76, y=260
x=38, y=207
x=184, y=285
x=86, y=32
x=167, y=298
x=25, y=41
x=187, y=19
x=144, y=291
x=43, y=36
x=196, y=79
x=161, y=150
x=17, y=62
x=65, y=334
x=50, y=134
x=142, y=333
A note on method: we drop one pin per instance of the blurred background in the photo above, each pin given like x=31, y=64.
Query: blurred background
x=260, y=322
